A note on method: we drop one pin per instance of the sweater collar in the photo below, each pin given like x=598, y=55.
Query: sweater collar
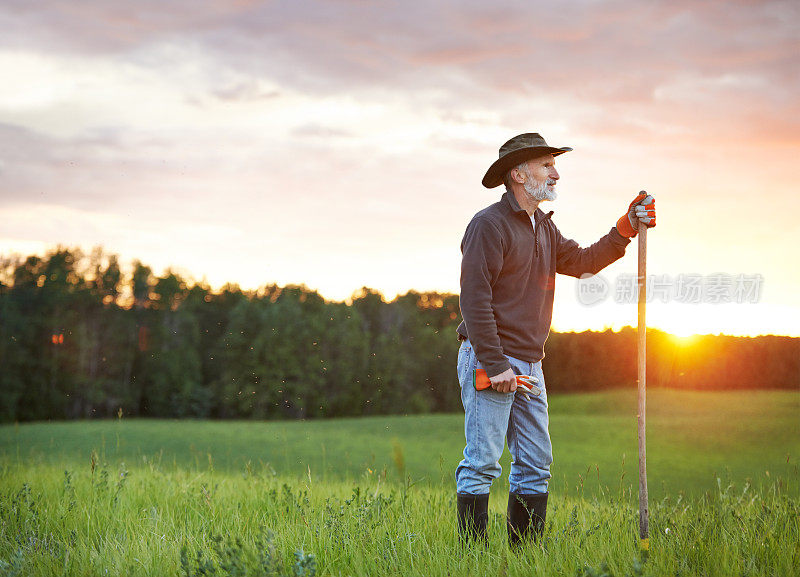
x=511, y=200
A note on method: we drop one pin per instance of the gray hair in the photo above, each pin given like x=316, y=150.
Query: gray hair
x=522, y=167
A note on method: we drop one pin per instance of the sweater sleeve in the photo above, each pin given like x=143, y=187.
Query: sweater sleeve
x=573, y=260
x=481, y=262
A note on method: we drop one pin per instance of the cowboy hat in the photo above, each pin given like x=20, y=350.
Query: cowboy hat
x=516, y=151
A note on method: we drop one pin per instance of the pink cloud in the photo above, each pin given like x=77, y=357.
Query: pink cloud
x=694, y=89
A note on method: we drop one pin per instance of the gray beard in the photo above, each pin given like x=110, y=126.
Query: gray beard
x=540, y=191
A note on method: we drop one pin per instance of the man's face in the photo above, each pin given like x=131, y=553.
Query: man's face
x=540, y=178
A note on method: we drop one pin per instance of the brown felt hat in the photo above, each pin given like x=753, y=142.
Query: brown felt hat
x=516, y=151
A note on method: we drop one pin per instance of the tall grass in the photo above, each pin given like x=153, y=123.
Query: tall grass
x=104, y=518
x=375, y=496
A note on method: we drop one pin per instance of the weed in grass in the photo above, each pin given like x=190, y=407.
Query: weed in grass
x=199, y=566
x=232, y=557
x=122, y=477
x=602, y=571
x=268, y=556
x=207, y=494
x=305, y=564
x=69, y=491
x=13, y=567
x=637, y=570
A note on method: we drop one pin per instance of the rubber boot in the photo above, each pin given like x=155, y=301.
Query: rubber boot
x=473, y=516
x=526, y=515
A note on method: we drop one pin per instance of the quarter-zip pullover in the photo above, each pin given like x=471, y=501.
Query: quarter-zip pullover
x=508, y=271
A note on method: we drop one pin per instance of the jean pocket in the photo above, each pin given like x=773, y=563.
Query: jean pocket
x=466, y=364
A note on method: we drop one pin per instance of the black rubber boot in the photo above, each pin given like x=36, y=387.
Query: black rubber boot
x=526, y=515
x=473, y=516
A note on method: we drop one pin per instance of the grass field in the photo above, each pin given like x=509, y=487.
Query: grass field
x=375, y=496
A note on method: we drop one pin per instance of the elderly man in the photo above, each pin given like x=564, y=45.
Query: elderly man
x=512, y=251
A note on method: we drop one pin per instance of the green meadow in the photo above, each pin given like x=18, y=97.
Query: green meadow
x=374, y=496
x=693, y=438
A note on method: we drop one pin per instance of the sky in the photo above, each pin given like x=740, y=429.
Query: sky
x=341, y=144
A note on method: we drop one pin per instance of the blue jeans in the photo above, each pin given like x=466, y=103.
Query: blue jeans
x=489, y=418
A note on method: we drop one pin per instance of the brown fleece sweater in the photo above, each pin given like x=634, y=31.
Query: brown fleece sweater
x=508, y=279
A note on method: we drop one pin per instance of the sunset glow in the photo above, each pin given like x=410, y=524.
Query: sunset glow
x=341, y=145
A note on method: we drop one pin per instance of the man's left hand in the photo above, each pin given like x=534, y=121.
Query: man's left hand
x=642, y=209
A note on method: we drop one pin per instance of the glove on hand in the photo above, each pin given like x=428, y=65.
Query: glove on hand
x=642, y=209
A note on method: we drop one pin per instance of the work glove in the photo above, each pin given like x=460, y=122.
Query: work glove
x=642, y=209
x=525, y=383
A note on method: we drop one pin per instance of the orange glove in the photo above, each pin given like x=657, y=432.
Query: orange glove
x=642, y=209
x=525, y=383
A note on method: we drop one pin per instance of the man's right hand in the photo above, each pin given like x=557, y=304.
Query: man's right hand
x=505, y=382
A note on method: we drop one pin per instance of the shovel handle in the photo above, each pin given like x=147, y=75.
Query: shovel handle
x=644, y=510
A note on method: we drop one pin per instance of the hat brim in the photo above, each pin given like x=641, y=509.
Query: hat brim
x=497, y=171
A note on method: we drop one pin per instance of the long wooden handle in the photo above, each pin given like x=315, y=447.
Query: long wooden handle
x=644, y=511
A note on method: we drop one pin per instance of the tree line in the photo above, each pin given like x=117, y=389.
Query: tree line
x=81, y=339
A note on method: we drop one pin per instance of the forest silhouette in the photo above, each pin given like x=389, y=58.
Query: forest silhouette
x=81, y=339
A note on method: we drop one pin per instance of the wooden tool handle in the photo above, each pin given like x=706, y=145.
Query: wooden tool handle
x=644, y=511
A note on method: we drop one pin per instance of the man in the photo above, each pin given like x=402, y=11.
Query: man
x=512, y=251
